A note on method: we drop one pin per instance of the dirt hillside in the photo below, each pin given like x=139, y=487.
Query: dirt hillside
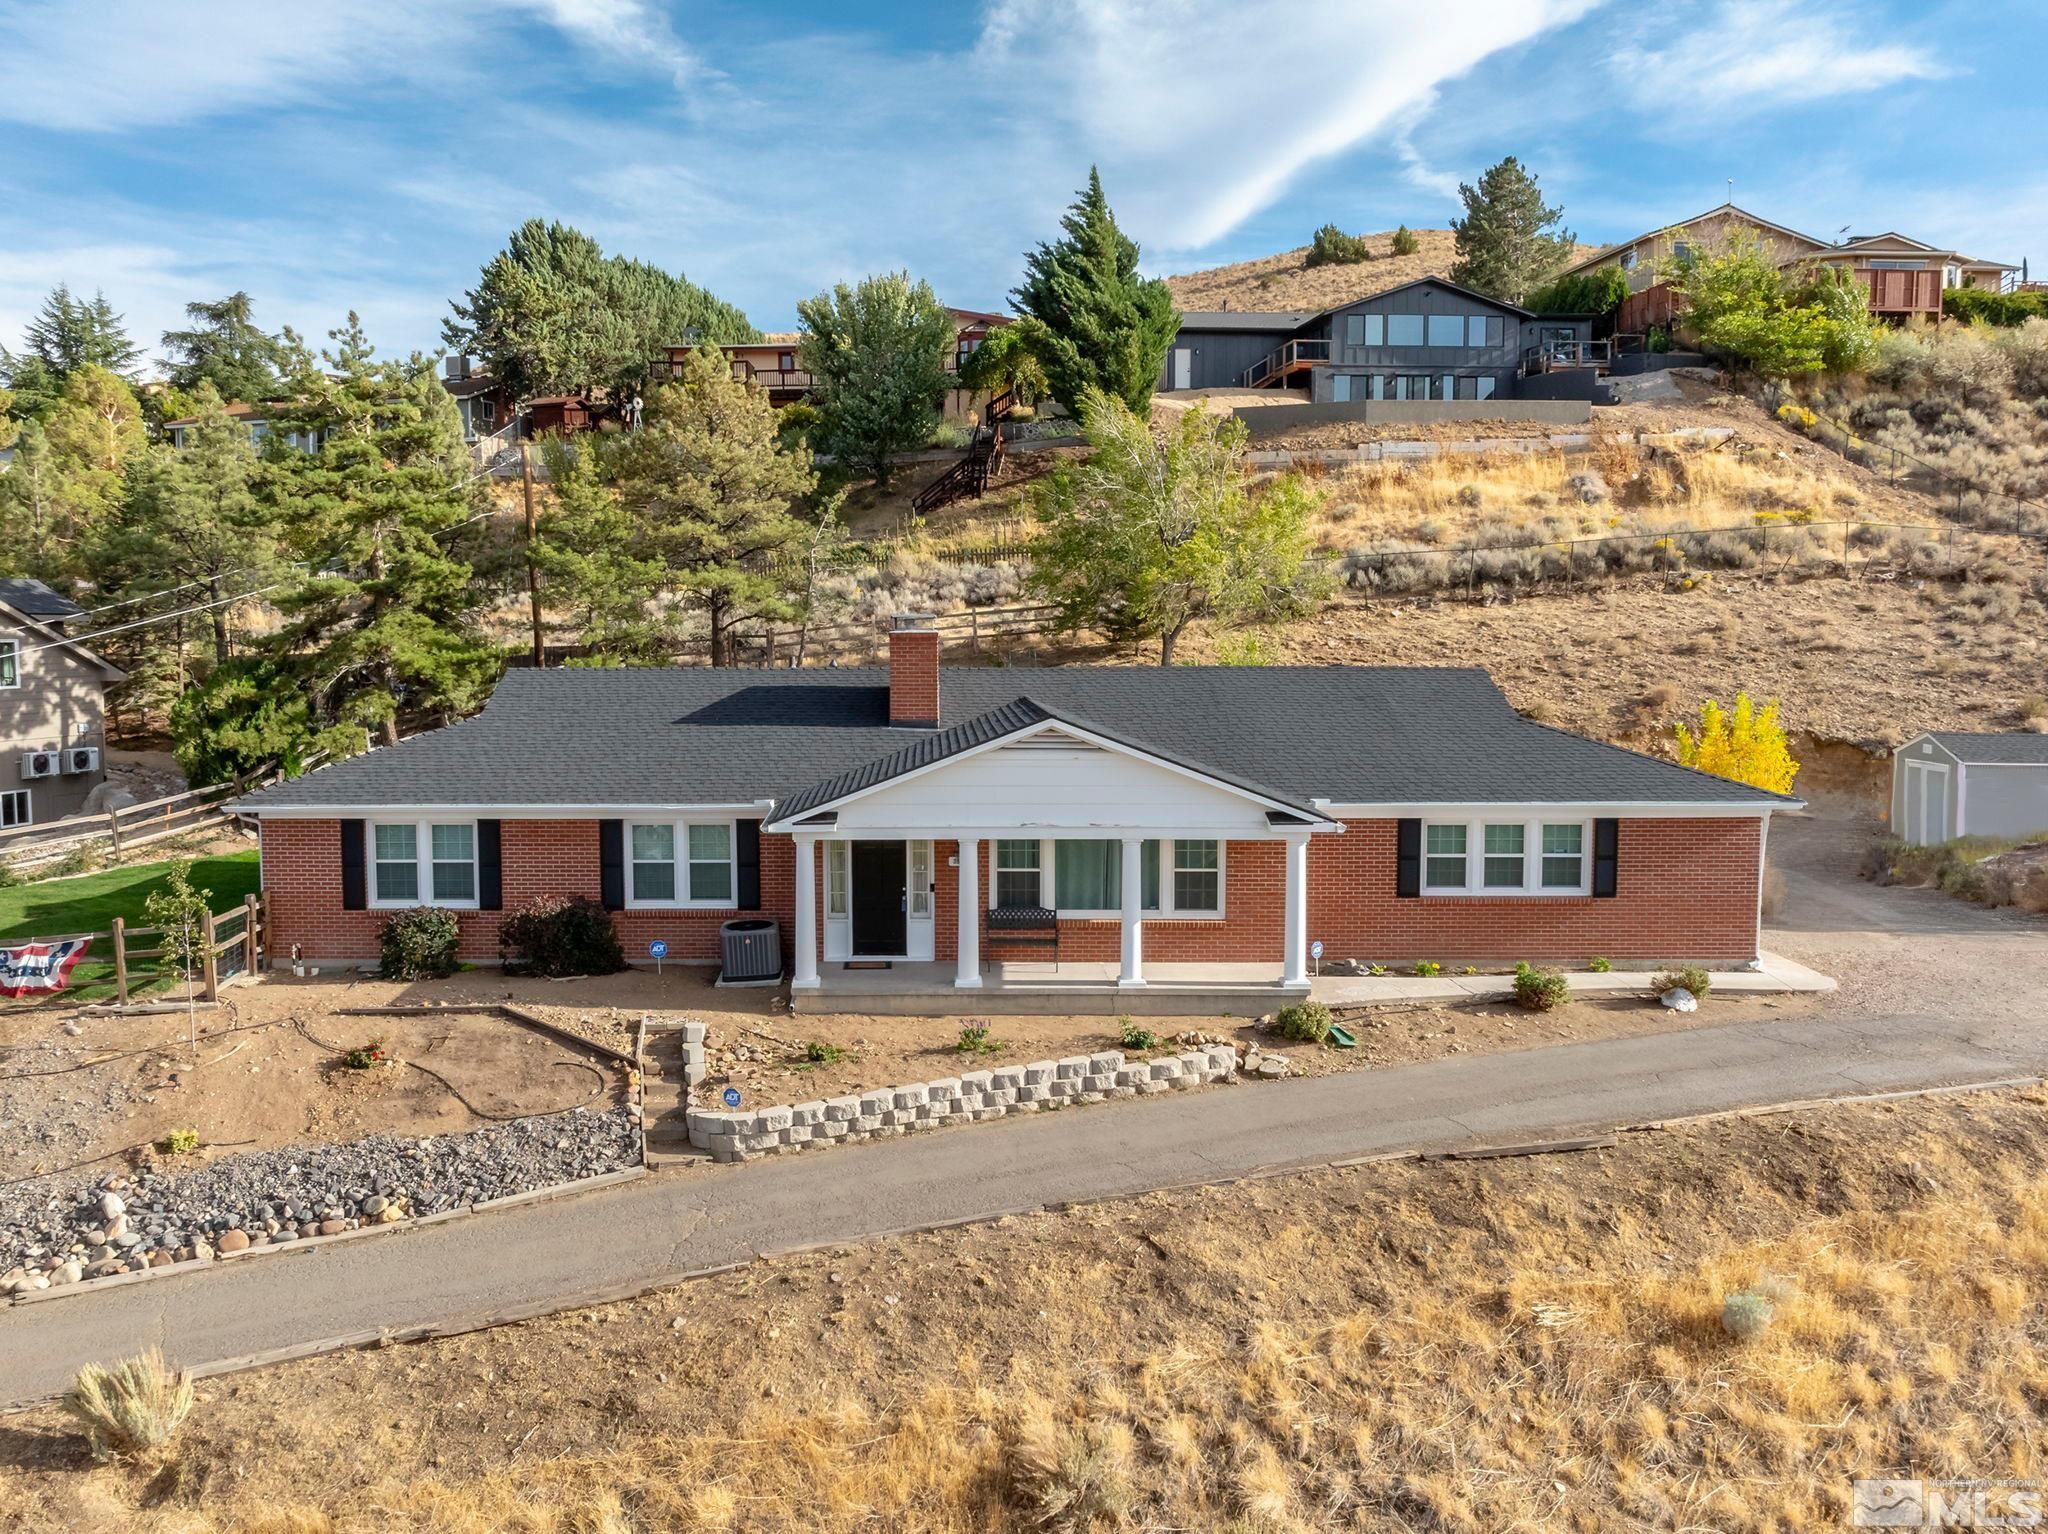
x=1285, y=281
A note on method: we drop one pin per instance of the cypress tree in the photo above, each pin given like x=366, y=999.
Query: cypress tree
x=1092, y=321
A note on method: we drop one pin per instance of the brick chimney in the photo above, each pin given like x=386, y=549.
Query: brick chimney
x=914, y=671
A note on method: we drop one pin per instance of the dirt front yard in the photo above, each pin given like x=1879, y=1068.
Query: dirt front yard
x=1454, y=1346
x=269, y=1069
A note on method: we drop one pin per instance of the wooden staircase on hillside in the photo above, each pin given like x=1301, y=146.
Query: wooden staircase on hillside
x=970, y=476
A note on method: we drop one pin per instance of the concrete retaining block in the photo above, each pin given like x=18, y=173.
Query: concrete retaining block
x=974, y=1097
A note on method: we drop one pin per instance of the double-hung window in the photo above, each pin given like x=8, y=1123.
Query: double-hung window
x=1505, y=857
x=1176, y=878
x=10, y=662
x=423, y=863
x=1017, y=873
x=681, y=863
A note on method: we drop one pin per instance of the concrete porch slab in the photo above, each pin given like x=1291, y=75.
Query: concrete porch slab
x=1022, y=988
x=1778, y=976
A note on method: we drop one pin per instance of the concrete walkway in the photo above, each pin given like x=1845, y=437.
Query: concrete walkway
x=637, y=1235
x=1777, y=976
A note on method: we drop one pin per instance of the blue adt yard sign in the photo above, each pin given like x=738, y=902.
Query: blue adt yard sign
x=730, y=1097
x=657, y=951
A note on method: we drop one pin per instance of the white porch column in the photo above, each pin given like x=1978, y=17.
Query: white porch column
x=806, y=978
x=967, y=944
x=1294, y=970
x=1133, y=970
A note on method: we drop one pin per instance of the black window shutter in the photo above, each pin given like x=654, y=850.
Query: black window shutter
x=1606, y=857
x=1408, y=859
x=611, y=863
x=354, y=890
x=747, y=864
x=490, y=878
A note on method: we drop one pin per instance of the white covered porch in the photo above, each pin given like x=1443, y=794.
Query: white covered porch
x=1049, y=824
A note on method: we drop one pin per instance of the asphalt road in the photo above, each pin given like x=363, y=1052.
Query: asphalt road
x=1956, y=1003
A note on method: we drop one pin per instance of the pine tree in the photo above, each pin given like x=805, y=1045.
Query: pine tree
x=93, y=431
x=1508, y=243
x=1093, y=322
x=225, y=349
x=388, y=623
x=552, y=314
x=877, y=351
x=191, y=518
x=711, y=494
x=70, y=333
x=28, y=504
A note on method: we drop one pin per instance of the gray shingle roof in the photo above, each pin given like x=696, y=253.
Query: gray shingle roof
x=1245, y=319
x=643, y=737
x=32, y=597
x=1994, y=750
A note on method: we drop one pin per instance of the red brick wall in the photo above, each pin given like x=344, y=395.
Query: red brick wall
x=1686, y=890
x=913, y=676
x=302, y=889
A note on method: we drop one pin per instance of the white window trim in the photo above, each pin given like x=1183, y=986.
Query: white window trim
x=13, y=647
x=1166, y=911
x=1532, y=886
x=680, y=829
x=423, y=859
x=28, y=806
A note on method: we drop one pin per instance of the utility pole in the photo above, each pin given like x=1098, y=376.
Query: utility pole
x=532, y=532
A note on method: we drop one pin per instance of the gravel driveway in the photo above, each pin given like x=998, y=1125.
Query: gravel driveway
x=1901, y=950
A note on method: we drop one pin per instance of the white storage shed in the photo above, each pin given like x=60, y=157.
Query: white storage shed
x=1949, y=783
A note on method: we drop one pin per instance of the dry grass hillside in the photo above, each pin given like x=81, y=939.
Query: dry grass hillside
x=1285, y=281
x=1515, y=1345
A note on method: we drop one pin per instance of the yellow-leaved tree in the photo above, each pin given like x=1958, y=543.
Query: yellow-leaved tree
x=1747, y=745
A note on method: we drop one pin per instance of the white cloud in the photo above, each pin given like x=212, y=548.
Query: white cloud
x=1208, y=113
x=623, y=29
x=1768, y=51
x=1417, y=171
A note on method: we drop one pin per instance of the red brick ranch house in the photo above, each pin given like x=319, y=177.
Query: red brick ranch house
x=1178, y=828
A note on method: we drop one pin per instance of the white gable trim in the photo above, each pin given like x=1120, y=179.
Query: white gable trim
x=1071, y=732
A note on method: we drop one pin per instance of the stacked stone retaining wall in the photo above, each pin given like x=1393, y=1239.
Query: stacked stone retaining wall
x=972, y=1097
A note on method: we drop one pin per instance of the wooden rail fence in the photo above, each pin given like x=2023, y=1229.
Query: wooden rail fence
x=231, y=946
x=131, y=825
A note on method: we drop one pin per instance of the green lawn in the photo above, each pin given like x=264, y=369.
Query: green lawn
x=89, y=903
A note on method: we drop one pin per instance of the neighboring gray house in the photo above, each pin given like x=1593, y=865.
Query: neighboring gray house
x=52, y=708
x=1950, y=783
x=1425, y=340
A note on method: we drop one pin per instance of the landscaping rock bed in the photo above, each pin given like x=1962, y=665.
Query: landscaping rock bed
x=58, y=1230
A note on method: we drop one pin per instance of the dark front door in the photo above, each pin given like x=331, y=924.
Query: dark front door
x=879, y=886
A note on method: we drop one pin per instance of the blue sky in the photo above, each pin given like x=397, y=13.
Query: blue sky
x=374, y=153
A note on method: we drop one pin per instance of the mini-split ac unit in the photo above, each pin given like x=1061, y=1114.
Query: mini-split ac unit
x=39, y=764
x=81, y=759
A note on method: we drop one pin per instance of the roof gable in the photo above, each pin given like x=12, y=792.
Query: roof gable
x=1729, y=209
x=1431, y=281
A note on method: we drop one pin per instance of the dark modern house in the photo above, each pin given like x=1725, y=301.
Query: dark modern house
x=1426, y=340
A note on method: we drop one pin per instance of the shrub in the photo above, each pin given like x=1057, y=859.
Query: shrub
x=135, y=1406
x=1598, y=965
x=1405, y=243
x=366, y=1056
x=420, y=944
x=974, y=1040
x=559, y=935
x=179, y=1142
x=1691, y=978
x=1540, y=990
x=1746, y=1314
x=1333, y=247
x=1070, y=1477
x=1307, y=1021
x=1428, y=968
x=1135, y=1035
x=821, y=1052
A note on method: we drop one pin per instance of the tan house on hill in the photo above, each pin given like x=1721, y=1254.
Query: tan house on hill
x=52, y=708
x=1904, y=277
